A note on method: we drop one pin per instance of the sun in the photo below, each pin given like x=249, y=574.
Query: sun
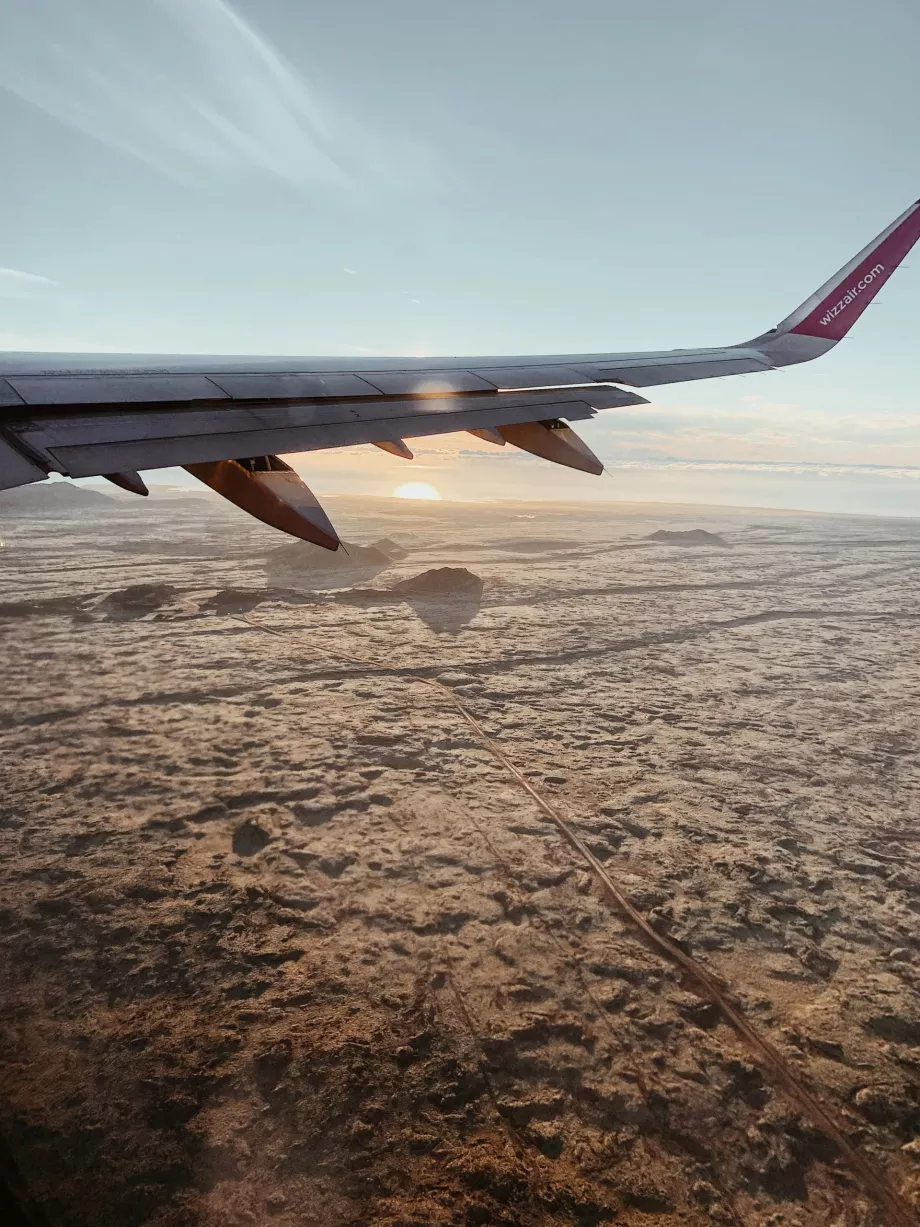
x=416, y=489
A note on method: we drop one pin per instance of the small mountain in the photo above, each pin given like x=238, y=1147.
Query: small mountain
x=391, y=548
x=137, y=600
x=52, y=497
x=691, y=536
x=440, y=581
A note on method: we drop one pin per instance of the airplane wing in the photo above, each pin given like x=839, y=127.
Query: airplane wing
x=85, y=415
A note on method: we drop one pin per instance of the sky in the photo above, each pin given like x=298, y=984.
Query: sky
x=501, y=176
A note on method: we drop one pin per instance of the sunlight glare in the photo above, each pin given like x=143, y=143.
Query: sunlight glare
x=416, y=489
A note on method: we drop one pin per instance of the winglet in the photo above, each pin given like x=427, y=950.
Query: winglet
x=832, y=310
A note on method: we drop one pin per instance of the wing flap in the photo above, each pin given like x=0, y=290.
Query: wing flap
x=87, y=459
x=84, y=445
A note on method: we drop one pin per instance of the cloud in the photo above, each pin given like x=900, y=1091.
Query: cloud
x=803, y=468
x=184, y=85
x=758, y=437
x=14, y=283
x=21, y=342
x=760, y=430
x=462, y=467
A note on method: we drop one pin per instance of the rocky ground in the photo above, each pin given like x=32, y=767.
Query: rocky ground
x=281, y=941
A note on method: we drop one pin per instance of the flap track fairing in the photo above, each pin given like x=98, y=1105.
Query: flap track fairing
x=487, y=434
x=272, y=492
x=129, y=480
x=395, y=447
x=553, y=440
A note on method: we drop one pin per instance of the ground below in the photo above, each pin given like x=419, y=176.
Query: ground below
x=282, y=942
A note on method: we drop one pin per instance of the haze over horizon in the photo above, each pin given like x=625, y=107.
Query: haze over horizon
x=201, y=176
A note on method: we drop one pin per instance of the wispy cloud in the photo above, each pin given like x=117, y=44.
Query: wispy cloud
x=185, y=85
x=21, y=342
x=14, y=283
x=803, y=468
x=760, y=430
x=450, y=455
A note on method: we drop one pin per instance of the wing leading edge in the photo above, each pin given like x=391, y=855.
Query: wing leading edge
x=86, y=415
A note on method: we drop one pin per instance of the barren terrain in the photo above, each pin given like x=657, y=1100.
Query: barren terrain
x=282, y=940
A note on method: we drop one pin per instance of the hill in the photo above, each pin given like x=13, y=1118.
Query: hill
x=691, y=536
x=52, y=497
